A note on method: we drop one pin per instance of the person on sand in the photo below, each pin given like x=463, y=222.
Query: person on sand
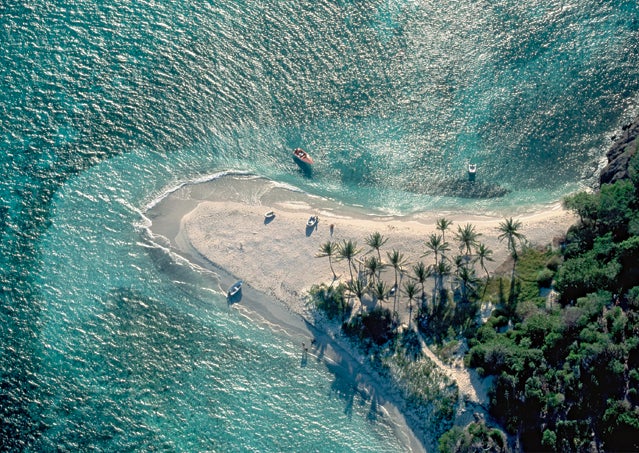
x=331, y=227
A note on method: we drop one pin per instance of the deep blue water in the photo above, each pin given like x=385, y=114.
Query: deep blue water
x=105, y=105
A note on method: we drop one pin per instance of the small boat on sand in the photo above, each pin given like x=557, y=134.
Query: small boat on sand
x=312, y=221
x=302, y=156
x=236, y=288
x=269, y=215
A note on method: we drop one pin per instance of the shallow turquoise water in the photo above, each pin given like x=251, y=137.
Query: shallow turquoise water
x=108, y=345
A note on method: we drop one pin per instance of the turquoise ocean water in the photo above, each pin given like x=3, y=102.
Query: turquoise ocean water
x=109, y=345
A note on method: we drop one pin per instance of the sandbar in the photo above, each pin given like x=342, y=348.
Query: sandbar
x=220, y=225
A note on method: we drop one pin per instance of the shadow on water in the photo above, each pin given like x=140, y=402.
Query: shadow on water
x=235, y=298
x=305, y=169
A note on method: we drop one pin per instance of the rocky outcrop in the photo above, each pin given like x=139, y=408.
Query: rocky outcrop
x=619, y=154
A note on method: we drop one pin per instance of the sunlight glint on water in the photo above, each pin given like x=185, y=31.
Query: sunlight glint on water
x=105, y=107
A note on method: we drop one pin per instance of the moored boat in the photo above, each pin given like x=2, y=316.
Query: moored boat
x=302, y=156
x=236, y=288
x=472, y=170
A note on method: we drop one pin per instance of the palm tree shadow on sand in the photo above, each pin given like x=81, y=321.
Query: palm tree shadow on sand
x=347, y=384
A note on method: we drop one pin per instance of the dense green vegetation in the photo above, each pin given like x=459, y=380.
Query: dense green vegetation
x=566, y=373
x=366, y=305
x=476, y=437
x=561, y=344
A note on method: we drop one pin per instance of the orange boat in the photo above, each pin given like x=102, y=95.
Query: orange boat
x=302, y=156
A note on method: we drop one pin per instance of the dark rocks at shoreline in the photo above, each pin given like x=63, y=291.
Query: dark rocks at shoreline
x=619, y=154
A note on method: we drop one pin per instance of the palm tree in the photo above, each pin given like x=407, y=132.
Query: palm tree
x=421, y=273
x=483, y=254
x=436, y=245
x=374, y=267
x=440, y=271
x=442, y=225
x=329, y=249
x=468, y=280
x=375, y=241
x=459, y=261
x=348, y=250
x=410, y=288
x=467, y=237
x=357, y=288
x=396, y=259
x=509, y=230
x=380, y=290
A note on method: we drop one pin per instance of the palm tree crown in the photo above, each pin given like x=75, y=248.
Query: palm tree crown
x=421, y=273
x=509, y=230
x=375, y=241
x=442, y=225
x=380, y=290
x=410, y=289
x=397, y=261
x=484, y=254
x=348, y=250
x=374, y=267
x=467, y=280
x=329, y=249
x=467, y=237
x=436, y=245
x=443, y=269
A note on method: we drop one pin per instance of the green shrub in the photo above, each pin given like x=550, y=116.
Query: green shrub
x=376, y=326
x=554, y=262
x=330, y=299
x=549, y=440
x=633, y=297
x=544, y=278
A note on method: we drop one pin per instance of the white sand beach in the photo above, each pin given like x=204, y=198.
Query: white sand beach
x=221, y=224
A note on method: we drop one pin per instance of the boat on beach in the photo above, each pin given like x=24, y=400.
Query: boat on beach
x=302, y=156
x=236, y=288
x=269, y=215
x=312, y=221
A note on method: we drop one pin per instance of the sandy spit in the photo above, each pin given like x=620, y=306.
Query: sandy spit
x=221, y=225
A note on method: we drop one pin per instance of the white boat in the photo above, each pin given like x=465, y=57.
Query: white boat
x=269, y=215
x=472, y=170
x=236, y=288
x=312, y=221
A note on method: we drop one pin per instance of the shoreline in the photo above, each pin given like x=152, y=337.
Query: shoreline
x=219, y=224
